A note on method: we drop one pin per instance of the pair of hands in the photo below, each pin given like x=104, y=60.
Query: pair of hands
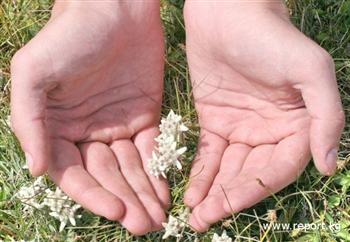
x=87, y=91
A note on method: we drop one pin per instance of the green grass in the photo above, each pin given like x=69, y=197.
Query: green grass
x=312, y=199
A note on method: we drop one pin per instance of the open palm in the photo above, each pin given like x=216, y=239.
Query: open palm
x=86, y=102
x=265, y=94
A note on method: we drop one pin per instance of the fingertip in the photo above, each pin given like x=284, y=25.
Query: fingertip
x=166, y=203
x=209, y=211
x=138, y=231
x=157, y=220
x=37, y=173
x=326, y=166
x=138, y=228
x=115, y=211
x=35, y=168
x=331, y=160
x=156, y=214
x=38, y=170
x=192, y=197
x=330, y=173
x=102, y=203
x=196, y=223
x=325, y=170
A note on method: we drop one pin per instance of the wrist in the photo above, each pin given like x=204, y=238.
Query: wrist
x=133, y=9
x=141, y=5
x=276, y=6
x=241, y=7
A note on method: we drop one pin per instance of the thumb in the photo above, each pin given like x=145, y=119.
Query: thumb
x=28, y=101
x=320, y=93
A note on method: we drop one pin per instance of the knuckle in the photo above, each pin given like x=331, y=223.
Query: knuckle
x=97, y=163
x=29, y=67
x=21, y=60
x=97, y=155
x=324, y=58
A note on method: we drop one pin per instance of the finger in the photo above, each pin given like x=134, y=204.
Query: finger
x=67, y=171
x=28, y=101
x=101, y=163
x=247, y=159
x=145, y=143
x=259, y=156
x=288, y=160
x=131, y=168
x=320, y=93
x=231, y=164
x=205, y=167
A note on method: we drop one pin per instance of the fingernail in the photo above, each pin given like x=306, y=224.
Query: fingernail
x=29, y=160
x=331, y=158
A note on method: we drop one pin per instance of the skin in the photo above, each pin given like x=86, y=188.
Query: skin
x=86, y=98
x=266, y=97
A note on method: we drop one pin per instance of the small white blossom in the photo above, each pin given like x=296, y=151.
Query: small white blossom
x=166, y=153
x=174, y=226
x=61, y=206
x=28, y=195
x=172, y=125
x=184, y=216
x=223, y=238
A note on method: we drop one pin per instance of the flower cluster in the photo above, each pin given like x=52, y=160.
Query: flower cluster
x=60, y=205
x=175, y=225
x=223, y=238
x=166, y=154
x=27, y=194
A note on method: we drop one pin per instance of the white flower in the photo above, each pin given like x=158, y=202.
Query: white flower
x=28, y=195
x=166, y=153
x=172, y=125
x=222, y=238
x=184, y=216
x=61, y=206
x=174, y=226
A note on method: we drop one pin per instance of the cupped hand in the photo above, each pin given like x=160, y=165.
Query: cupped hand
x=266, y=97
x=85, y=102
